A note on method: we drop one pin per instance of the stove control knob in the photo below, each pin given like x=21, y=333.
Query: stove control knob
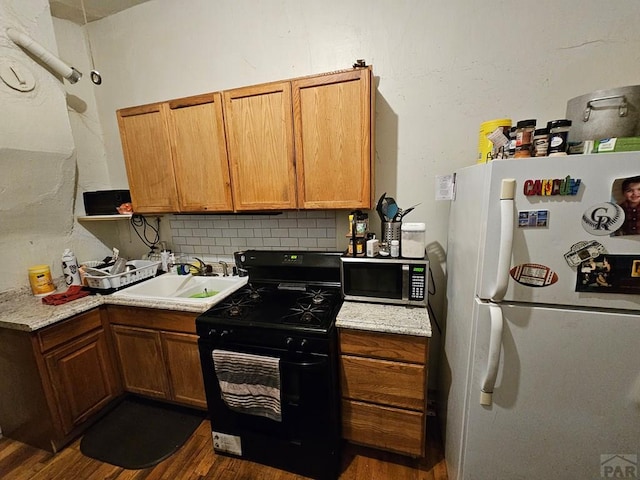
x=289, y=342
x=303, y=345
x=225, y=333
x=212, y=333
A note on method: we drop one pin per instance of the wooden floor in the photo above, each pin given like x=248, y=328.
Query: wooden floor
x=196, y=461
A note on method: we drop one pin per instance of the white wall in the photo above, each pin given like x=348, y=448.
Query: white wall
x=442, y=69
x=37, y=157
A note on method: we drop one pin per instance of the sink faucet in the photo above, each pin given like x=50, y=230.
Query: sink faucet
x=225, y=268
x=202, y=269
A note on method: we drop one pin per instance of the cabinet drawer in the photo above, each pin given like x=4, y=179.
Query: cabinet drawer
x=153, y=318
x=62, y=332
x=383, y=382
x=404, y=348
x=387, y=428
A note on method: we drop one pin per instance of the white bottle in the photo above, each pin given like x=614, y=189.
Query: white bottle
x=372, y=247
x=395, y=248
x=70, y=268
x=165, y=258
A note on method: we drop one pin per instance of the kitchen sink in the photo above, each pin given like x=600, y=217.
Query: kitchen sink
x=184, y=288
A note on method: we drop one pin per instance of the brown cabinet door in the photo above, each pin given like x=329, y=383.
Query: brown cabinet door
x=402, y=348
x=183, y=363
x=259, y=129
x=141, y=361
x=393, y=429
x=383, y=382
x=83, y=378
x=200, y=154
x=333, y=139
x=147, y=155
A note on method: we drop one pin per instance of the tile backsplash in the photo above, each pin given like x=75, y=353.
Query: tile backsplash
x=221, y=235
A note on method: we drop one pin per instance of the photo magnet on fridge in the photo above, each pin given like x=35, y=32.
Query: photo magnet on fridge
x=626, y=194
x=533, y=218
x=609, y=274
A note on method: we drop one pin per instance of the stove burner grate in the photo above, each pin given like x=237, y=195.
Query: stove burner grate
x=255, y=293
x=305, y=314
x=317, y=297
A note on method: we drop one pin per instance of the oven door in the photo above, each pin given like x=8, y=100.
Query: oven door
x=308, y=436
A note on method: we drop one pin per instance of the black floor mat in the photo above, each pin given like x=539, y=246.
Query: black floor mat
x=140, y=433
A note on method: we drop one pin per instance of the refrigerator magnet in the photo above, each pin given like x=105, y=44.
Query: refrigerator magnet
x=583, y=251
x=533, y=218
x=625, y=192
x=603, y=219
x=533, y=275
x=609, y=274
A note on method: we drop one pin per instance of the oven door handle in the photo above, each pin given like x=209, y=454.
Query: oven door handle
x=304, y=364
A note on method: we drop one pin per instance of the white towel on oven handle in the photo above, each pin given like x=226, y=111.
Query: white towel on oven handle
x=249, y=383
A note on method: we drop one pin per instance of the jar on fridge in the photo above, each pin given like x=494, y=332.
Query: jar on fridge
x=558, y=137
x=524, y=138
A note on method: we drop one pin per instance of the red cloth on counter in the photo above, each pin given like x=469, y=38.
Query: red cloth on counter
x=74, y=292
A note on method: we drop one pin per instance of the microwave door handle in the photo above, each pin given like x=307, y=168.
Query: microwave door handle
x=405, y=282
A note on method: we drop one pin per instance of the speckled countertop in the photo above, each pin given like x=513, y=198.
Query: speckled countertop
x=21, y=310
x=376, y=317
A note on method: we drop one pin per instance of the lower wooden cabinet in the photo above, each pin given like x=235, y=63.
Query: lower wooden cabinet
x=141, y=361
x=183, y=368
x=383, y=385
x=387, y=428
x=55, y=380
x=158, y=355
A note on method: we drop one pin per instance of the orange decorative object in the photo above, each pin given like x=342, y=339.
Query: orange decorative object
x=125, y=208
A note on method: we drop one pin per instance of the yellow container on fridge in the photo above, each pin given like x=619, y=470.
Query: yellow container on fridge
x=40, y=280
x=484, y=144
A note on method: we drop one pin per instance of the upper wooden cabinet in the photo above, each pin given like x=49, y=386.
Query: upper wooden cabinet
x=147, y=152
x=200, y=154
x=333, y=139
x=176, y=155
x=304, y=143
x=260, y=141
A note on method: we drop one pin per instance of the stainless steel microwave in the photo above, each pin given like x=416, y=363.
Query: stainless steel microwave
x=399, y=281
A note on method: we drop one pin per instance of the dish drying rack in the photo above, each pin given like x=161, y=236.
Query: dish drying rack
x=142, y=269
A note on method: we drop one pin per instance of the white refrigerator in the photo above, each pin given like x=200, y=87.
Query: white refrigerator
x=541, y=365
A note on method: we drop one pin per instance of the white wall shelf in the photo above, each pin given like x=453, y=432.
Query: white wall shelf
x=96, y=218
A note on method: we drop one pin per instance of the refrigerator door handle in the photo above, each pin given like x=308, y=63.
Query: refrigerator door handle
x=506, y=238
x=493, y=357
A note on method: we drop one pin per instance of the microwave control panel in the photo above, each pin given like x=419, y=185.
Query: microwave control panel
x=417, y=282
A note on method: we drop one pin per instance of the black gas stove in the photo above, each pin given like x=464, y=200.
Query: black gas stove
x=292, y=307
x=285, y=313
x=295, y=294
